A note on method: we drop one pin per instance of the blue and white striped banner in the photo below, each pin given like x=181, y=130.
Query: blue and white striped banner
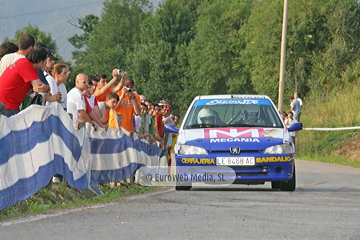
x=40, y=142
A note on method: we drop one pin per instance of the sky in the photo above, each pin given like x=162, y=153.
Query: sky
x=52, y=17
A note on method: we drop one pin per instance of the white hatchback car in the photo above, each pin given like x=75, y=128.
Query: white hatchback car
x=244, y=133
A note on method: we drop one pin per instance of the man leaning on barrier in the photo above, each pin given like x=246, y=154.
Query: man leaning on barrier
x=19, y=78
x=76, y=102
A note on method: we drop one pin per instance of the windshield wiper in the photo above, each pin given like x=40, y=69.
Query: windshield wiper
x=245, y=125
x=203, y=126
x=236, y=125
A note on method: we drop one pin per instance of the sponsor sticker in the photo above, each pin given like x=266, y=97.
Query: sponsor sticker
x=198, y=161
x=273, y=159
x=233, y=132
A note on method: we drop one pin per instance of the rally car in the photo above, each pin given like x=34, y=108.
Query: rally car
x=243, y=133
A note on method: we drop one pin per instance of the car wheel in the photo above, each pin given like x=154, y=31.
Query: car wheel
x=275, y=185
x=289, y=185
x=180, y=186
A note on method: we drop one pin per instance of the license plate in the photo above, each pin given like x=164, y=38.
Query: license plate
x=238, y=161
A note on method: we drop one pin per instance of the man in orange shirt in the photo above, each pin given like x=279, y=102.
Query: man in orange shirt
x=129, y=103
x=103, y=87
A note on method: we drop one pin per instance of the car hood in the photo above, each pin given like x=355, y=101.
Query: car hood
x=218, y=139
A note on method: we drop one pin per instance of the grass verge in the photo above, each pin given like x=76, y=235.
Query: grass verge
x=338, y=109
x=62, y=196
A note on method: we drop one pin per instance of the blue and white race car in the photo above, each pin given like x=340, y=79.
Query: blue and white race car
x=244, y=133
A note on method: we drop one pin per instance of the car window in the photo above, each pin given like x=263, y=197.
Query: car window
x=233, y=113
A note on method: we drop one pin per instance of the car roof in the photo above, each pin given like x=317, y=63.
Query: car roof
x=230, y=96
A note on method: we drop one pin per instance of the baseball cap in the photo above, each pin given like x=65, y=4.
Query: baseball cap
x=129, y=82
x=160, y=103
x=51, y=56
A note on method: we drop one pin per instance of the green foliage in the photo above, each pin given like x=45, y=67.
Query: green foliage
x=86, y=24
x=330, y=113
x=340, y=51
x=322, y=45
x=39, y=36
x=160, y=62
x=196, y=47
x=215, y=50
x=261, y=56
x=114, y=36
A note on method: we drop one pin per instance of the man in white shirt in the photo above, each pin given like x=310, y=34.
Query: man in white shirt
x=26, y=43
x=295, y=108
x=76, y=102
x=296, y=96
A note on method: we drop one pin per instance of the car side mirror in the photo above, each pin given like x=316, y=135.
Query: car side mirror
x=170, y=128
x=295, y=127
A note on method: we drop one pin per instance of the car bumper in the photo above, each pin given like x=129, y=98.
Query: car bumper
x=266, y=168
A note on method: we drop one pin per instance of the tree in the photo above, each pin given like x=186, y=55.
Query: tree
x=39, y=36
x=47, y=40
x=87, y=24
x=321, y=45
x=213, y=54
x=261, y=56
x=160, y=61
x=114, y=36
x=333, y=65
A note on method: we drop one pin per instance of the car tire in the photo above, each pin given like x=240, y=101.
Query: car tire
x=183, y=186
x=275, y=185
x=289, y=185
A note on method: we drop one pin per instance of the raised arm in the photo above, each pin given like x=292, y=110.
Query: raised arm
x=120, y=85
x=104, y=89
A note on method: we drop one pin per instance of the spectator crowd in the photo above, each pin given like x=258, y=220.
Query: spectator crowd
x=29, y=75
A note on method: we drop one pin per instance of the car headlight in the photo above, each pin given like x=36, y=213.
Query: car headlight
x=284, y=148
x=192, y=150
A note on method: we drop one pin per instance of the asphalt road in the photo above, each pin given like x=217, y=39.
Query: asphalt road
x=325, y=205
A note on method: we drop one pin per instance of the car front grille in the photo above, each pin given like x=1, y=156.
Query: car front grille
x=241, y=151
x=240, y=171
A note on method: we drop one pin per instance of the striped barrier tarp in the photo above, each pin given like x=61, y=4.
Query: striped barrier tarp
x=40, y=142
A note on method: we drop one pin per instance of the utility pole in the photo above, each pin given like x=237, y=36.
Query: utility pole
x=282, y=57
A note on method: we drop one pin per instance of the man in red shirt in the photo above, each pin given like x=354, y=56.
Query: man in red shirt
x=19, y=77
x=159, y=126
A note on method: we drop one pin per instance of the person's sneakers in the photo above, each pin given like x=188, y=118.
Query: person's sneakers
x=56, y=180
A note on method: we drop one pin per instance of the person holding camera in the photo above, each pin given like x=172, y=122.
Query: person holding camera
x=128, y=105
x=103, y=88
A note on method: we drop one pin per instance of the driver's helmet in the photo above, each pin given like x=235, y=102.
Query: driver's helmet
x=206, y=116
x=251, y=111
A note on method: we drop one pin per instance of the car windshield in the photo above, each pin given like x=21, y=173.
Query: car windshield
x=212, y=113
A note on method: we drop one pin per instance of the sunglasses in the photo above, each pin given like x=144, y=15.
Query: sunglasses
x=83, y=81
